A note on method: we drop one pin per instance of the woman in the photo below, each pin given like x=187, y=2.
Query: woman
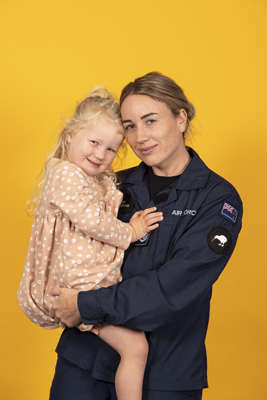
x=167, y=275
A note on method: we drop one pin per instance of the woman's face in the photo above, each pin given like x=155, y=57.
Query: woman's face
x=155, y=134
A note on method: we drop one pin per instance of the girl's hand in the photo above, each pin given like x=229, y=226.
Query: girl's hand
x=144, y=222
x=96, y=329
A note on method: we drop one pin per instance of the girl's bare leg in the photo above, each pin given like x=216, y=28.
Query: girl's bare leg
x=133, y=349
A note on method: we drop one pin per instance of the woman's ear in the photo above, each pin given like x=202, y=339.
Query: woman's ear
x=182, y=120
x=68, y=137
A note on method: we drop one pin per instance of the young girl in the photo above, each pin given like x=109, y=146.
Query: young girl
x=76, y=239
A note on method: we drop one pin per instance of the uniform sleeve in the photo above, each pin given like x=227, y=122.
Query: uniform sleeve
x=89, y=208
x=196, y=260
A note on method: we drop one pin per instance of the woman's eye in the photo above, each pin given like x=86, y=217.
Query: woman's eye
x=150, y=121
x=128, y=128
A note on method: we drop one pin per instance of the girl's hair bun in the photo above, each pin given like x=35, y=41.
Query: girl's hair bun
x=100, y=92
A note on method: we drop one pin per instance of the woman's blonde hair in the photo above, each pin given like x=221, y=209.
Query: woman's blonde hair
x=99, y=103
x=162, y=88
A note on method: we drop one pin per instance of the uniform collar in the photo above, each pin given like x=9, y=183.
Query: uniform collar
x=195, y=176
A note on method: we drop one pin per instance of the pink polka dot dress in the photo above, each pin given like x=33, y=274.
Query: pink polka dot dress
x=76, y=240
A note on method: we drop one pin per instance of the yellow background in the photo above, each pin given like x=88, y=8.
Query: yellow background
x=52, y=53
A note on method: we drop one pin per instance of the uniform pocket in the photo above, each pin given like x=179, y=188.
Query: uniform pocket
x=164, y=238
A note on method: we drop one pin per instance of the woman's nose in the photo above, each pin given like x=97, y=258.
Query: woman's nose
x=141, y=135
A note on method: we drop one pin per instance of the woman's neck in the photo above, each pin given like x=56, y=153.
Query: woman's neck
x=176, y=166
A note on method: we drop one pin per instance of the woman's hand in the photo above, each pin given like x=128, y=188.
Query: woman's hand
x=65, y=308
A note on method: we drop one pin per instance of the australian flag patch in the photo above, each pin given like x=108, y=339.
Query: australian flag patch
x=229, y=212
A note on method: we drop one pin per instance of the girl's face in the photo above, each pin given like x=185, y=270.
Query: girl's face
x=155, y=134
x=94, y=148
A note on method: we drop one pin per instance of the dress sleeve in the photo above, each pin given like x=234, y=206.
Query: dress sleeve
x=89, y=205
x=155, y=298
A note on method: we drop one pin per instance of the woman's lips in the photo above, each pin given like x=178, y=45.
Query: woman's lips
x=147, y=150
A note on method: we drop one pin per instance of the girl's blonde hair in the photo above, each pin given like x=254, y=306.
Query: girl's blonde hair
x=99, y=103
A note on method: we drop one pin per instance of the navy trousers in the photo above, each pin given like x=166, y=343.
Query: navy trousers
x=74, y=383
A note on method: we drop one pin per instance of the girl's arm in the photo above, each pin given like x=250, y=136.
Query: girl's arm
x=90, y=206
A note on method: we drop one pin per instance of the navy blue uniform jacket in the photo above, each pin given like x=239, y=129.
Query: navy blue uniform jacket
x=167, y=281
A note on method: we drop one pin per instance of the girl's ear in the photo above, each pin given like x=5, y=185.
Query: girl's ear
x=182, y=120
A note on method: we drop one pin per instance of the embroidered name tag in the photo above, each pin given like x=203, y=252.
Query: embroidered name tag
x=229, y=212
x=179, y=213
x=127, y=204
x=144, y=241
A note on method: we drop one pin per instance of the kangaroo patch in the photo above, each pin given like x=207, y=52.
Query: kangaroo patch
x=219, y=240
